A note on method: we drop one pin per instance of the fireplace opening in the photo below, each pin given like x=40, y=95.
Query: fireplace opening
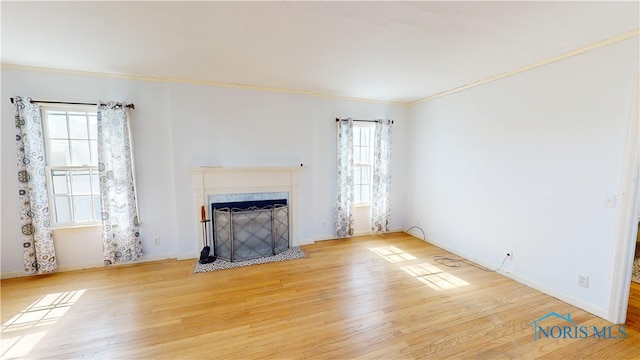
x=244, y=230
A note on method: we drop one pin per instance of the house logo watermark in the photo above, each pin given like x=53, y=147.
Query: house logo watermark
x=545, y=328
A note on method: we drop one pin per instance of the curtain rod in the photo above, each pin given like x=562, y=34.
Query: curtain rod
x=373, y=121
x=130, y=106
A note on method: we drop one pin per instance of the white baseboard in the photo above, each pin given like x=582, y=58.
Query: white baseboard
x=323, y=238
x=94, y=265
x=305, y=242
x=187, y=256
x=359, y=233
x=597, y=311
x=13, y=274
x=568, y=299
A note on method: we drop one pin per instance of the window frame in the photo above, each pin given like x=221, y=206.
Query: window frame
x=95, y=219
x=357, y=185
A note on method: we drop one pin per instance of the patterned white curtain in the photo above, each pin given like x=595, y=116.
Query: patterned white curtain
x=120, y=231
x=380, y=203
x=344, y=186
x=37, y=237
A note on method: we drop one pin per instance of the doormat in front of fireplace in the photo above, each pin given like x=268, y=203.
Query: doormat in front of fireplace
x=290, y=254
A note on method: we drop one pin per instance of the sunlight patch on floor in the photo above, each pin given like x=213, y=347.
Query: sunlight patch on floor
x=431, y=275
x=434, y=277
x=18, y=339
x=392, y=254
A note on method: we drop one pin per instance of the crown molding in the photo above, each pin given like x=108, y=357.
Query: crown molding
x=575, y=52
x=80, y=72
x=572, y=53
x=193, y=82
x=337, y=97
x=239, y=86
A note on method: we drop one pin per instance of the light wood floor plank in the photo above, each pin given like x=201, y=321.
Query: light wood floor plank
x=367, y=297
x=633, y=312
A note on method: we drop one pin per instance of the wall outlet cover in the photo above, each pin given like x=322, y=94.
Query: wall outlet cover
x=583, y=280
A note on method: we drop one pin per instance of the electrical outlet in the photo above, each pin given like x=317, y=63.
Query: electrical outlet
x=583, y=280
x=156, y=241
x=510, y=255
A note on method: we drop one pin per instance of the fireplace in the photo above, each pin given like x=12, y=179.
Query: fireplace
x=245, y=230
x=233, y=186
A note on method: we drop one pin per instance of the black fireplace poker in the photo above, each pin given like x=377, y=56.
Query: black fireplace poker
x=205, y=258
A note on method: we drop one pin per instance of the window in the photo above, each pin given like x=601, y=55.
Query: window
x=363, y=163
x=72, y=164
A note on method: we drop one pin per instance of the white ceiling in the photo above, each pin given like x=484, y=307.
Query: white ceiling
x=391, y=51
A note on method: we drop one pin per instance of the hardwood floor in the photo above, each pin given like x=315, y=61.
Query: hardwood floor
x=633, y=311
x=367, y=297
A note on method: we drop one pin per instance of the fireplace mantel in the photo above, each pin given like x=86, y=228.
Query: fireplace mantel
x=217, y=180
x=254, y=168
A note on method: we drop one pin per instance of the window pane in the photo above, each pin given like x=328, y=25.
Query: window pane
x=63, y=209
x=365, y=155
x=365, y=196
x=93, y=126
x=59, y=153
x=357, y=174
x=81, y=182
x=362, y=184
x=83, y=208
x=356, y=136
x=78, y=127
x=356, y=155
x=96, y=208
x=366, y=174
x=362, y=137
x=366, y=136
x=60, y=182
x=80, y=152
x=95, y=181
x=57, y=124
x=94, y=152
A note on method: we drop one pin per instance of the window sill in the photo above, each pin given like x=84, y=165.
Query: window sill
x=362, y=206
x=84, y=227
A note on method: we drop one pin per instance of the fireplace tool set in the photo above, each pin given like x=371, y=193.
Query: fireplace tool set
x=205, y=258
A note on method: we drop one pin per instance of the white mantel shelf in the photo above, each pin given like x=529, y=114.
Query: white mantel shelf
x=264, y=168
x=215, y=180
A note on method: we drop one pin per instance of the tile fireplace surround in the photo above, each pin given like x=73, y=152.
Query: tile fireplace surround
x=211, y=183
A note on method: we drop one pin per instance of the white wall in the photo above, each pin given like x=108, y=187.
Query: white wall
x=246, y=127
x=79, y=248
x=236, y=127
x=179, y=125
x=325, y=111
x=522, y=165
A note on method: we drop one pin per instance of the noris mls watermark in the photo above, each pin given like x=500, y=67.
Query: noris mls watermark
x=570, y=330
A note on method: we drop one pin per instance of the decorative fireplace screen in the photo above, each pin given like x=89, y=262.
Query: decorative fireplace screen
x=250, y=232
